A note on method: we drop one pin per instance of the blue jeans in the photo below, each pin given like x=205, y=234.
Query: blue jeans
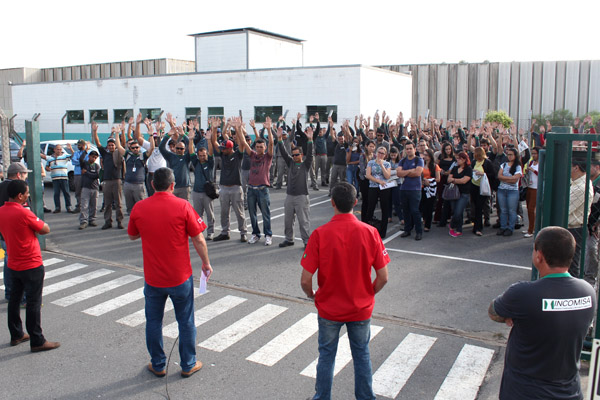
x=182, y=297
x=61, y=185
x=410, y=200
x=359, y=334
x=458, y=209
x=508, y=201
x=351, y=177
x=396, y=204
x=259, y=197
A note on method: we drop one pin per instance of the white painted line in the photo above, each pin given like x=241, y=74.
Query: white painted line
x=139, y=317
x=394, y=236
x=52, y=261
x=2, y=275
x=242, y=328
x=342, y=357
x=96, y=290
x=466, y=375
x=75, y=281
x=206, y=313
x=115, y=303
x=63, y=270
x=418, y=253
x=392, y=375
x=285, y=342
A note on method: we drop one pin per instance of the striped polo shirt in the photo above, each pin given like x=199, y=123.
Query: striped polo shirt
x=58, y=166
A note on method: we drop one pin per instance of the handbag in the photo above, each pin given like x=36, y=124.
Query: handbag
x=484, y=186
x=451, y=192
x=210, y=189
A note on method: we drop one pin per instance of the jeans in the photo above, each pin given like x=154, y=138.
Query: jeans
x=427, y=207
x=385, y=201
x=182, y=297
x=260, y=197
x=507, y=201
x=410, y=200
x=458, y=209
x=31, y=282
x=396, y=204
x=351, y=176
x=359, y=334
x=61, y=185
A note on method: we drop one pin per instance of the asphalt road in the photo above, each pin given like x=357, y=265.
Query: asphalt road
x=429, y=321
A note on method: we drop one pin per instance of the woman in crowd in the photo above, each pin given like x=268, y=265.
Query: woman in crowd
x=446, y=161
x=532, y=175
x=508, y=192
x=482, y=167
x=352, y=161
x=431, y=178
x=363, y=160
x=378, y=172
x=460, y=175
x=396, y=206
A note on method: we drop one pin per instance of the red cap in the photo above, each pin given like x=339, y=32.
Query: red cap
x=228, y=144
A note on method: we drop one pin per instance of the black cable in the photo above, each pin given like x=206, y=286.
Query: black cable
x=167, y=369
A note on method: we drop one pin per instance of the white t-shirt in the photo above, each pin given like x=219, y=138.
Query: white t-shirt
x=156, y=160
x=532, y=170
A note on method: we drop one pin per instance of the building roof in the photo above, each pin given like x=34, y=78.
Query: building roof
x=239, y=30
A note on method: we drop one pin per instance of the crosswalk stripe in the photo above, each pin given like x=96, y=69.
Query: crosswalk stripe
x=287, y=341
x=243, y=327
x=52, y=261
x=96, y=290
x=342, y=357
x=395, y=371
x=466, y=375
x=115, y=303
x=63, y=270
x=76, y=281
x=206, y=313
x=139, y=317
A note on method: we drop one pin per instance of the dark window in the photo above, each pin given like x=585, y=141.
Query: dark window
x=101, y=116
x=323, y=112
x=193, y=113
x=122, y=114
x=262, y=112
x=216, y=112
x=75, y=117
x=150, y=113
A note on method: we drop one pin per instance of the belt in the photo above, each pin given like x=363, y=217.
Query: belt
x=321, y=154
x=257, y=187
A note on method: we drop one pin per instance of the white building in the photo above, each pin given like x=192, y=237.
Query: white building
x=257, y=72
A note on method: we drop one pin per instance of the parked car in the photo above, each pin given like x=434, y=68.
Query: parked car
x=47, y=148
x=14, y=149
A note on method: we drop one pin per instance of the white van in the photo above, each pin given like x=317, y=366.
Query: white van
x=47, y=148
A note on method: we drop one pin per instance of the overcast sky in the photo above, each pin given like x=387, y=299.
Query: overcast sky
x=62, y=33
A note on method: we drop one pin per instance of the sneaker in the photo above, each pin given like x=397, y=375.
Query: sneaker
x=508, y=232
x=57, y=211
x=528, y=235
x=451, y=232
x=106, y=226
x=222, y=236
x=524, y=231
x=268, y=240
x=195, y=368
x=500, y=232
x=92, y=223
x=315, y=187
x=83, y=225
x=243, y=238
x=286, y=243
x=209, y=236
x=405, y=234
x=254, y=239
x=47, y=210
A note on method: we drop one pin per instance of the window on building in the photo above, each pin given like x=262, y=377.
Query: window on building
x=122, y=114
x=101, y=116
x=323, y=112
x=75, y=117
x=216, y=112
x=193, y=113
x=150, y=113
x=262, y=112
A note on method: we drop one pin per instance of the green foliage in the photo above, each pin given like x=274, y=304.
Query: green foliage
x=595, y=117
x=499, y=117
x=564, y=118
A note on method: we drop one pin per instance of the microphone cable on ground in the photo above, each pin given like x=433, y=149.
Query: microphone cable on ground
x=167, y=369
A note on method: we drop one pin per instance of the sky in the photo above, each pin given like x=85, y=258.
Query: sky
x=43, y=34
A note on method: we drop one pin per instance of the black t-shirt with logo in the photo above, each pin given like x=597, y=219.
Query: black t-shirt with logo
x=551, y=317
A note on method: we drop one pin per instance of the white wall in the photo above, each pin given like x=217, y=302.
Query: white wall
x=389, y=91
x=223, y=52
x=270, y=52
x=351, y=88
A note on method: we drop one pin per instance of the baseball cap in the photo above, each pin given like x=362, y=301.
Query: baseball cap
x=93, y=153
x=403, y=138
x=111, y=140
x=81, y=141
x=15, y=168
x=227, y=145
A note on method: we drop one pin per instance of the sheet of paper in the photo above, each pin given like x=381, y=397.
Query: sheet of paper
x=202, y=288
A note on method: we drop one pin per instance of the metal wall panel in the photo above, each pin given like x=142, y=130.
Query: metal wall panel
x=471, y=93
x=594, y=96
x=525, y=87
x=442, y=93
x=584, y=84
x=76, y=73
x=504, y=71
x=66, y=73
x=422, y=88
x=86, y=72
x=559, y=94
x=536, y=92
x=58, y=74
x=138, y=68
x=452, y=84
x=493, y=87
x=105, y=70
x=115, y=70
x=548, y=86
x=483, y=77
x=432, y=93
x=572, y=86
x=415, y=90
x=462, y=92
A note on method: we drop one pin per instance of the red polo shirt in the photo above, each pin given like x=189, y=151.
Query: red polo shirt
x=19, y=226
x=165, y=223
x=343, y=251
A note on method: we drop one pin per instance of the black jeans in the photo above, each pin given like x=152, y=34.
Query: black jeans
x=385, y=198
x=30, y=281
x=477, y=200
x=364, y=194
x=427, y=207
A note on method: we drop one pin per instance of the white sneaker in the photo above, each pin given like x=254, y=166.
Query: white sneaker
x=268, y=241
x=209, y=236
x=254, y=239
x=524, y=231
x=528, y=235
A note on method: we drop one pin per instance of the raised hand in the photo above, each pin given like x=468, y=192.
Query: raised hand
x=267, y=124
x=252, y=124
x=94, y=126
x=309, y=133
x=279, y=133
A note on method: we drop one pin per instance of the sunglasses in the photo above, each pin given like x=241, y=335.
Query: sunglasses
x=179, y=148
x=134, y=147
x=295, y=155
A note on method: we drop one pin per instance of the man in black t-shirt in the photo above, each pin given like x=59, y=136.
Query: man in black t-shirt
x=549, y=319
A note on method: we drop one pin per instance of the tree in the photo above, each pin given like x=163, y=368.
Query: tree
x=499, y=117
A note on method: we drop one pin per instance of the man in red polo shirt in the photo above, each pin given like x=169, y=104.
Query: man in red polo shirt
x=19, y=226
x=343, y=251
x=164, y=222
